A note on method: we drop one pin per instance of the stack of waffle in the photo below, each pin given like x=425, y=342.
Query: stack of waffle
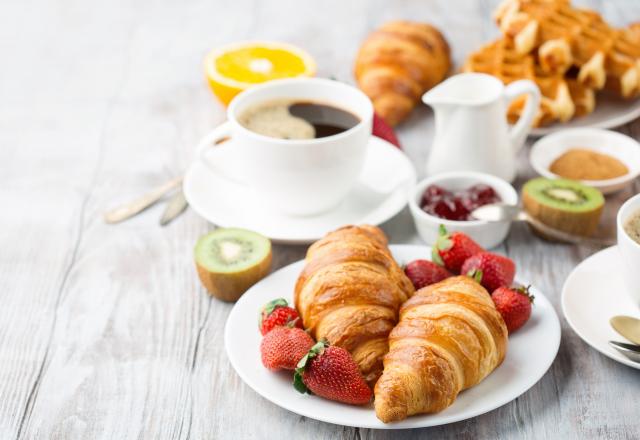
x=569, y=53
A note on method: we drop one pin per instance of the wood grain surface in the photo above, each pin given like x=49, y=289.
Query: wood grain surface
x=105, y=331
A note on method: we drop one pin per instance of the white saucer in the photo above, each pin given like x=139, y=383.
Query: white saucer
x=530, y=353
x=592, y=294
x=379, y=195
x=610, y=112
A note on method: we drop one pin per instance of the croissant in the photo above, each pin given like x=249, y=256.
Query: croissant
x=350, y=291
x=398, y=63
x=449, y=338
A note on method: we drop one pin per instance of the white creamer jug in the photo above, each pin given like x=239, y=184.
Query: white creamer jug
x=472, y=133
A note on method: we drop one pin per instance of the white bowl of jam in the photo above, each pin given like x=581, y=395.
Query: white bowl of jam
x=448, y=199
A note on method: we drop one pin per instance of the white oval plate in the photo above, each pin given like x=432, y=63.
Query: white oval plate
x=591, y=295
x=618, y=145
x=379, y=195
x=531, y=351
x=610, y=112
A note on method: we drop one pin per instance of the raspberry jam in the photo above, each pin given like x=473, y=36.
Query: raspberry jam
x=457, y=205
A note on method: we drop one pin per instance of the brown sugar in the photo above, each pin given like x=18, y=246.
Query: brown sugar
x=583, y=164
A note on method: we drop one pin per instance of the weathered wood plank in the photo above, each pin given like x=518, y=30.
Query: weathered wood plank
x=105, y=331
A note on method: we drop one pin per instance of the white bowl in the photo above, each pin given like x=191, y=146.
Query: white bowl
x=486, y=234
x=612, y=143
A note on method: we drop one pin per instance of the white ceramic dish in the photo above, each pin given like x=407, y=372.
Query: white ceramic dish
x=592, y=294
x=617, y=145
x=486, y=234
x=531, y=351
x=610, y=112
x=379, y=195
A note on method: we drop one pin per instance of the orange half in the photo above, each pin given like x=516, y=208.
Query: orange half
x=232, y=69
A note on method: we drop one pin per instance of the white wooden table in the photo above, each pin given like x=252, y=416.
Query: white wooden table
x=105, y=331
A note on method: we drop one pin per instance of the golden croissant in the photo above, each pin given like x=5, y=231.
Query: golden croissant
x=349, y=293
x=398, y=63
x=449, y=338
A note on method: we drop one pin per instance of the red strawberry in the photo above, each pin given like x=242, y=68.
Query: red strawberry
x=452, y=249
x=489, y=269
x=277, y=312
x=423, y=273
x=514, y=304
x=283, y=347
x=384, y=131
x=331, y=372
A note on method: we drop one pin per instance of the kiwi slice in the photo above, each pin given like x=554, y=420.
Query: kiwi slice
x=230, y=260
x=563, y=204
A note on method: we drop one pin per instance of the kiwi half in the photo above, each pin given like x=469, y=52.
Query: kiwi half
x=563, y=204
x=230, y=260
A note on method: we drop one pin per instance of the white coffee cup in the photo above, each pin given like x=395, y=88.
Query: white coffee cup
x=629, y=249
x=296, y=176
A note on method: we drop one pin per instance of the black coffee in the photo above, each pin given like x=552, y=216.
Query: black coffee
x=292, y=119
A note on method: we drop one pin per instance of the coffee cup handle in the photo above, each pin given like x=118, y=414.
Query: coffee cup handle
x=218, y=137
x=519, y=132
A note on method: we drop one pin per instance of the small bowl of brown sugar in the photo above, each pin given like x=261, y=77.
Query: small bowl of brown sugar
x=604, y=159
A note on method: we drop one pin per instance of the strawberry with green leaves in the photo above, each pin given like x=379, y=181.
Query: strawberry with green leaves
x=277, y=313
x=489, y=269
x=451, y=250
x=331, y=372
x=514, y=304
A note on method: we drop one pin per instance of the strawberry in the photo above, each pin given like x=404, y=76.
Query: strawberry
x=331, y=372
x=489, y=269
x=275, y=313
x=384, y=131
x=452, y=249
x=423, y=273
x=283, y=347
x=514, y=304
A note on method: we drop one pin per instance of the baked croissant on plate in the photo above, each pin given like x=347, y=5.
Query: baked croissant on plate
x=350, y=291
x=449, y=338
x=398, y=63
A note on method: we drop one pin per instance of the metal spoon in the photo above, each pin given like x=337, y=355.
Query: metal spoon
x=632, y=351
x=175, y=206
x=627, y=326
x=138, y=205
x=501, y=212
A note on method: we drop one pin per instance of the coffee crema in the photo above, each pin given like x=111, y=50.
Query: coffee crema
x=297, y=119
x=632, y=226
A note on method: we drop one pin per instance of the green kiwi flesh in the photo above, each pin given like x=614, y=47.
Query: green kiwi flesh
x=230, y=260
x=563, y=204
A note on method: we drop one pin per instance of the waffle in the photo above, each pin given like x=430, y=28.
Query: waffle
x=562, y=98
x=563, y=36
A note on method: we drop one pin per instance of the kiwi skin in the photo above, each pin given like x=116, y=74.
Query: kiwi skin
x=229, y=287
x=576, y=223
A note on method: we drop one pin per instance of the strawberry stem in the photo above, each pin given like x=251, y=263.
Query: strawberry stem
x=298, y=383
x=476, y=274
x=316, y=350
x=435, y=256
x=524, y=290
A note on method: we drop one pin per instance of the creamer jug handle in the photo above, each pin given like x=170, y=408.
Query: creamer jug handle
x=521, y=129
